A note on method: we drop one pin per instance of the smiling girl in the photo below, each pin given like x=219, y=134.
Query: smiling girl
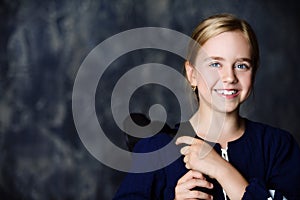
x=231, y=157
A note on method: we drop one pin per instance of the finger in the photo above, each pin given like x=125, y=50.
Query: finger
x=192, y=195
x=190, y=175
x=184, y=150
x=192, y=183
x=183, y=193
x=187, y=196
x=197, y=174
x=187, y=165
x=201, y=183
x=185, y=140
x=198, y=195
x=185, y=159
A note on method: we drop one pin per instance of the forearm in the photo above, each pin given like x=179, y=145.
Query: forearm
x=232, y=181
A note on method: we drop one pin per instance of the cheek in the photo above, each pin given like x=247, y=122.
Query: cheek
x=207, y=79
x=247, y=83
x=248, y=80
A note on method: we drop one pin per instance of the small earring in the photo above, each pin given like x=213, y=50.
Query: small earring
x=194, y=88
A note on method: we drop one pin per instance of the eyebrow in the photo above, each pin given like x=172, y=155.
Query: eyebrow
x=222, y=59
x=214, y=58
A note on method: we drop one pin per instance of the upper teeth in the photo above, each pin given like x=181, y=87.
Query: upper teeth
x=227, y=92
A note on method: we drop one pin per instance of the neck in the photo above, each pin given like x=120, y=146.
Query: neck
x=217, y=126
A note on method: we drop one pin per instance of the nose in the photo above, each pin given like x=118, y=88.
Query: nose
x=228, y=75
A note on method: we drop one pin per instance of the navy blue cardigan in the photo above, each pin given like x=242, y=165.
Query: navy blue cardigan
x=268, y=157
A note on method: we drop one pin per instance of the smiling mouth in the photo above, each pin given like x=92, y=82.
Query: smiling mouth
x=227, y=92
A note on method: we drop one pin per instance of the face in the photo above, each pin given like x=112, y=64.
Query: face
x=222, y=72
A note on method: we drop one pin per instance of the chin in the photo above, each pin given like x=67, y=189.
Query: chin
x=227, y=109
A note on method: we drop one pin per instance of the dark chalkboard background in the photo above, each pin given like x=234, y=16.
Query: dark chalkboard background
x=42, y=45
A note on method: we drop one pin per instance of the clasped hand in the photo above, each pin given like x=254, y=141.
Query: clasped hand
x=201, y=159
x=200, y=156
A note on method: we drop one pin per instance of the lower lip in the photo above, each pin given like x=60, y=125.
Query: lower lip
x=231, y=96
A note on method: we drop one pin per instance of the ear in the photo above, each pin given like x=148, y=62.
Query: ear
x=190, y=73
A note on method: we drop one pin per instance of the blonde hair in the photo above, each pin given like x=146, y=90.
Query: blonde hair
x=221, y=23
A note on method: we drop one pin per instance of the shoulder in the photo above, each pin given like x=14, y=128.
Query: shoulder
x=268, y=132
x=152, y=143
x=272, y=140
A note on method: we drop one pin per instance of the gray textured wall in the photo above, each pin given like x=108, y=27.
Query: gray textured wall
x=42, y=46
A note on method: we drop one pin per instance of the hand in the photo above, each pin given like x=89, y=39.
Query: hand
x=200, y=156
x=185, y=185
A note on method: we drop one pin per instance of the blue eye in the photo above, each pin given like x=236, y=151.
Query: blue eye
x=215, y=65
x=242, y=66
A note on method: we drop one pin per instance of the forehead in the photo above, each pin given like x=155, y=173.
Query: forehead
x=232, y=44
